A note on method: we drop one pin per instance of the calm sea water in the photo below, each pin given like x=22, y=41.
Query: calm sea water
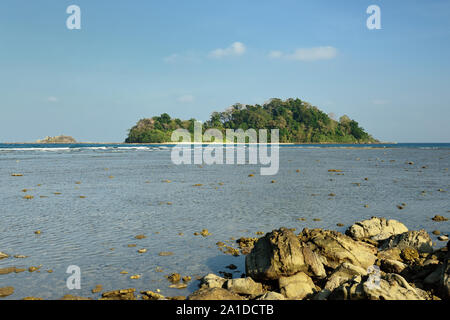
x=125, y=196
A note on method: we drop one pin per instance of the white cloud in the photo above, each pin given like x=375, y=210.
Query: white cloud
x=186, y=98
x=52, y=99
x=275, y=54
x=236, y=49
x=307, y=54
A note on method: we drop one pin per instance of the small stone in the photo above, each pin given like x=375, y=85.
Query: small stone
x=251, y=175
x=6, y=291
x=340, y=224
x=178, y=286
x=317, y=219
x=98, y=288
x=132, y=245
x=37, y=232
x=186, y=279
x=165, y=253
x=140, y=236
x=16, y=175
x=136, y=276
x=331, y=195
x=28, y=197
x=439, y=218
x=33, y=269
x=436, y=232
x=205, y=233
x=123, y=272
x=142, y=250
x=174, y=278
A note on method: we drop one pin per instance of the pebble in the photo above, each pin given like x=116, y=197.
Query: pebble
x=142, y=250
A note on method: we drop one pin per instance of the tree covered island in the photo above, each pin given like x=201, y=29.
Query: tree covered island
x=297, y=121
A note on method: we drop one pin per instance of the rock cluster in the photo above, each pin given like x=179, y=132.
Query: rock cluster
x=376, y=259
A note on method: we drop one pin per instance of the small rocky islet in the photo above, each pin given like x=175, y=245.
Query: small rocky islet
x=375, y=259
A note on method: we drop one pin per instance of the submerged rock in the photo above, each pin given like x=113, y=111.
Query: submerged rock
x=439, y=218
x=376, y=229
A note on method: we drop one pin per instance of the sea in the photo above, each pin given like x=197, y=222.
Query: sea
x=89, y=201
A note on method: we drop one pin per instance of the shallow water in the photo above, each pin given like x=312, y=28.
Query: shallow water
x=82, y=232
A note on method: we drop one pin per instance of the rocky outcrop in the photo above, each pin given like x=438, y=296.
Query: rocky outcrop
x=376, y=229
x=297, y=286
x=336, y=248
x=244, y=286
x=419, y=240
x=57, y=139
x=280, y=254
x=214, y=294
x=390, y=287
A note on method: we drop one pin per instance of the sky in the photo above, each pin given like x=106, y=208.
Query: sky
x=138, y=59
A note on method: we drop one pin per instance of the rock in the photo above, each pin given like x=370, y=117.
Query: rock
x=124, y=294
x=174, y=278
x=178, y=286
x=391, y=254
x=57, y=139
x=444, y=282
x=6, y=291
x=212, y=281
x=391, y=287
x=297, y=286
x=436, y=232
x=214, y=294
x=376, y=229
x=150, y=295
x=166, y=253
x=336, y=248
x=272, y=296
x=142, y=250
x=410, y=254
x=244, y=286
x=205, y=233
x=10, y=270
x=392, y=266
x=279, y=253
x=98, y=288
x=419, y=240
x=443, y=238
x=342, y=274
x=72, y=297
x=439, y=218
x=140, y=236
x=3, y=255
x=186, y=279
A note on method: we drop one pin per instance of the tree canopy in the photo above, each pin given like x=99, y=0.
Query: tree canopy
x=297, y=121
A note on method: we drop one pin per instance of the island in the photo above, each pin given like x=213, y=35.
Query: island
x=57, y=139
x=297, y=121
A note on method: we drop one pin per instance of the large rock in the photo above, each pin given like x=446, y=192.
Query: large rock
x=392, y=266
x=391, y=287
x=444, y=282
x=376, y=229
x=272, y=296
x=280, y=254
x=343, y=273
x=244, y=286
x=214, y=294
x=212, y=281
x=336, y=248
x=297, y=286
x=419, y=240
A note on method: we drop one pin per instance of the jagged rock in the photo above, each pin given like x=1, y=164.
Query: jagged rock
x=124, y=294
x=214, y=294
x=244, y=286
x=376, y=229
x=336, y=248
x=444, y=282
x=212, y=281
x=343, y=273
x=272, y=296
x=6, y=291
x=392, y=266
x=419, y=240
x=279, y=253
x=297, y=286
x=391, y=287
x=150, y=295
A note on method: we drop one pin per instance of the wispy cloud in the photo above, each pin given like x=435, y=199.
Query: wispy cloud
x=236, y=49
x=52, y=99
x=186, y=98
x=306, y=54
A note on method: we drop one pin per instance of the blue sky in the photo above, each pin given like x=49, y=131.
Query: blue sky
x=136, y=59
